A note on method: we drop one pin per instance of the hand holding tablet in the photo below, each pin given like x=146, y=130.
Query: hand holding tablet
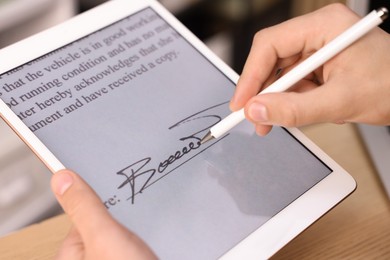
x=84, y=241
x=127, y=114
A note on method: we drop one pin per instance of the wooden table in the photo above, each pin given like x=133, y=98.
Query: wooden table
x=358, y=228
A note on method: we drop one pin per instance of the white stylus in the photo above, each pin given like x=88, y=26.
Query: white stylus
x=317, y=59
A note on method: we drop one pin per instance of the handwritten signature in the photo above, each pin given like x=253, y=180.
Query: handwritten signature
x=146, y=175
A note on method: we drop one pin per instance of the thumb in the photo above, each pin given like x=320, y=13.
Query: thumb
x=81, y=203
x=291, y=109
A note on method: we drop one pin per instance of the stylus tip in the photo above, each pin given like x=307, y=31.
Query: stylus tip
x=207, y=138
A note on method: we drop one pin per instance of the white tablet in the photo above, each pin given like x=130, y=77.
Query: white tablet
x=122, y=94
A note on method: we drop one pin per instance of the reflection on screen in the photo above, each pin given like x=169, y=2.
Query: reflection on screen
x=126, y=107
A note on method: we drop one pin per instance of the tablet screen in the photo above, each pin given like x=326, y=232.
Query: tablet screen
x=126, y=106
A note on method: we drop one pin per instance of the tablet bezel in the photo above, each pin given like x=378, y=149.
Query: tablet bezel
x=263, y=242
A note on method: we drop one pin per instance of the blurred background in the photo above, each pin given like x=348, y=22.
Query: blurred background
x=226, y=26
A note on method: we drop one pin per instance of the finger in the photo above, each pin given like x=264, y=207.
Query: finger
x=267, y=48
x=72, y=247
x=264, y=129
x=81, y=203
x=291, y=109
x=283, y=41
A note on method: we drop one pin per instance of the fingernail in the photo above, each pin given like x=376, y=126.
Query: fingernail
x=258, y=112
x=61, y=182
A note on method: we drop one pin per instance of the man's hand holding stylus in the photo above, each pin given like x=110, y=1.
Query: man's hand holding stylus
x=351, y=87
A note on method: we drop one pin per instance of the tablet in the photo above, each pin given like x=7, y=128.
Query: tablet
x=122, y=95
